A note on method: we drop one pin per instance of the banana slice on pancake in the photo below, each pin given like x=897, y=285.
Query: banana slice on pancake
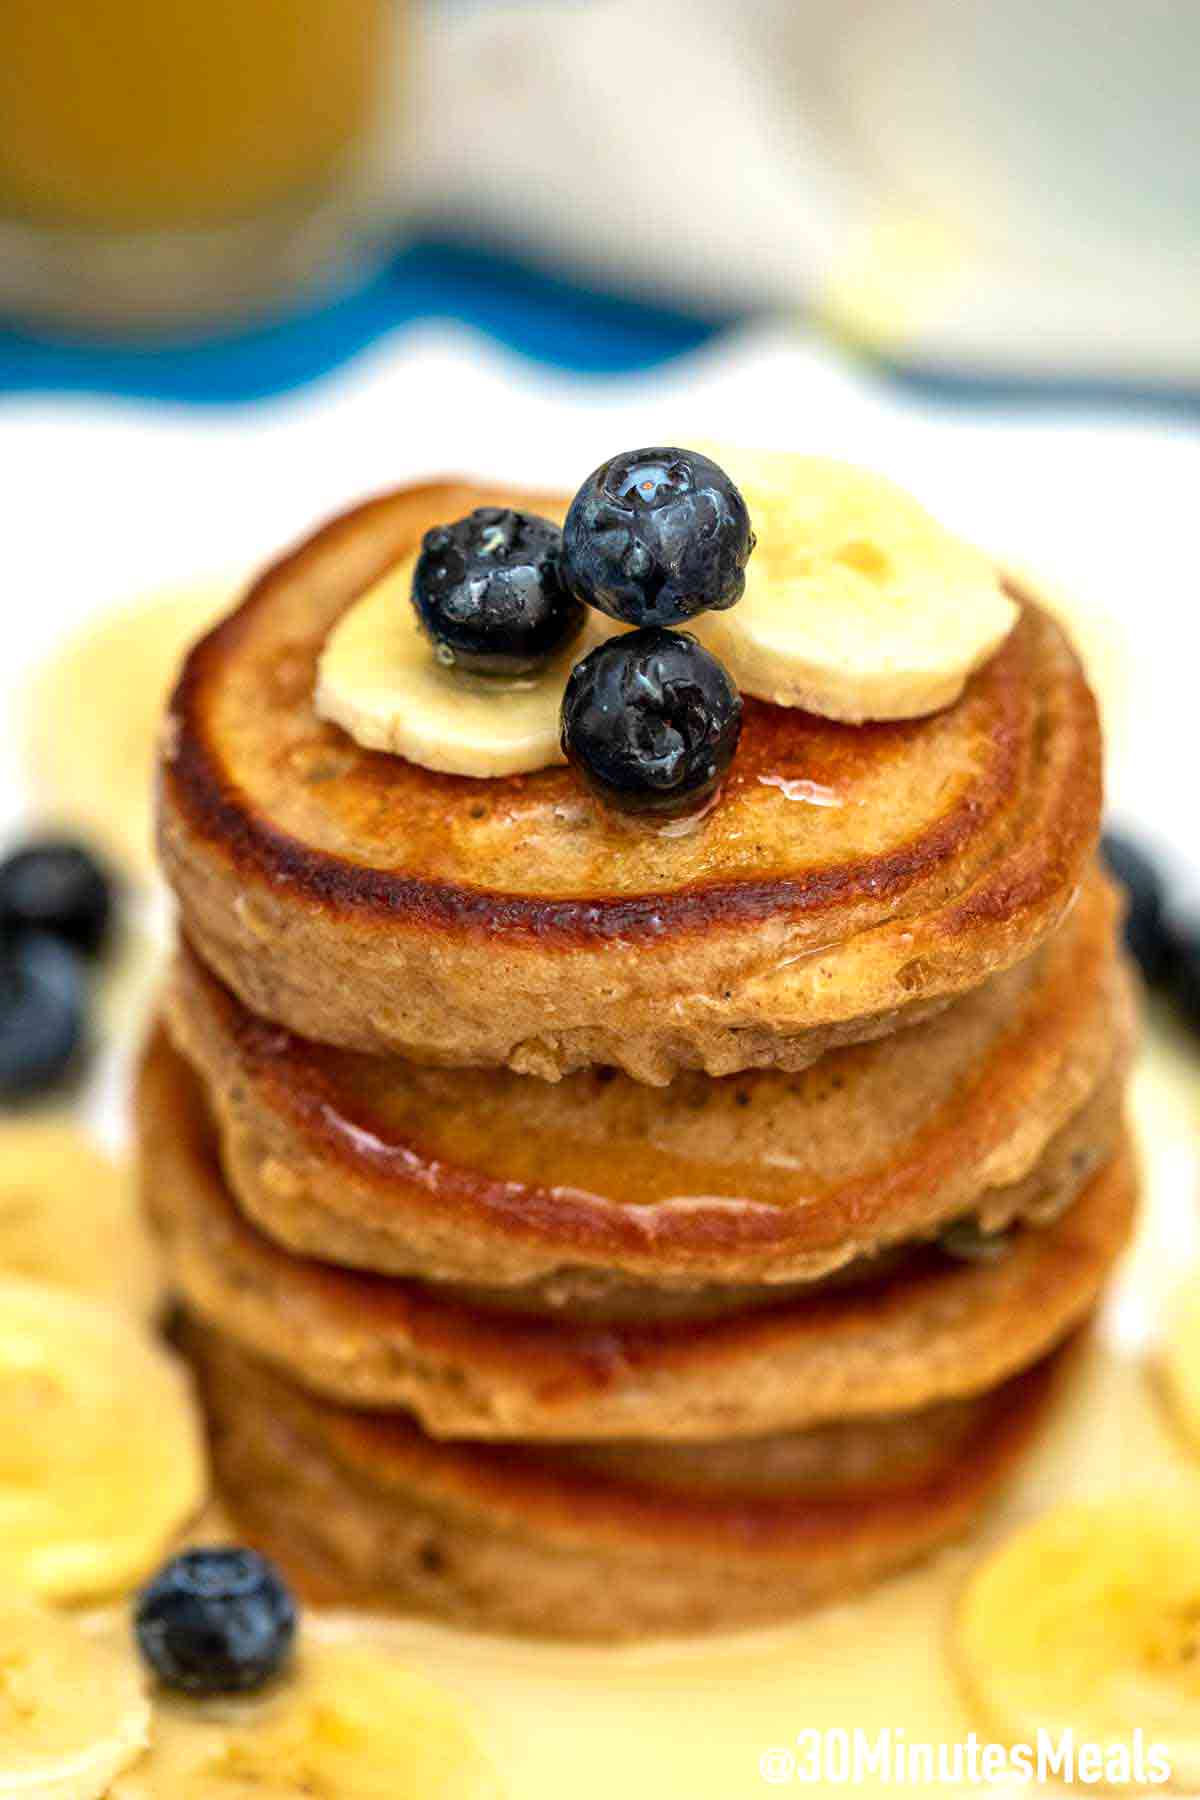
x=1088, y=1620
x=858, y=604
x=378, y=678
x=101, y=1458
x=352, y=1723
x=73, y=1707
x=69, y=1216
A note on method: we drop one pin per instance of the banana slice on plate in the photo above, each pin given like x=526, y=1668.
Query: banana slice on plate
x=1089, y=1620
x=94, y=711
x=69, y=1216
x=379, y=679
x=858, y=604
x=1180, y=1360
x=351, y=1723
x=101, y=1457
x=73, y=1708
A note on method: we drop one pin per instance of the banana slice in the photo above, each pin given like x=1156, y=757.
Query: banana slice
x=73, y=1710
x=100, y=1447
x=1180, y=1360
x=70, y=1217
x=858, y=605
x=93, y=715
x=378, y=678
x=352, y=1723
x=1089, y=1620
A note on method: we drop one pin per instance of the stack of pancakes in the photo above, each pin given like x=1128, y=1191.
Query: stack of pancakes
x=593, y=1230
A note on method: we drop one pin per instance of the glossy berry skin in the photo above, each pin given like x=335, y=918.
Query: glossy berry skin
x=651, y=721
x=42, y=1009
x=1147, y=935
x=488, y=590
x=654, y=537
x=216, y=1621
x=57, y=887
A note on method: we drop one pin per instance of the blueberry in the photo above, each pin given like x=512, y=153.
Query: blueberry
x=57, y=887
x=1146, y=934
x=218, y=1621
x=488, y=590
x=41, y=1014
x=656, y=536
x=1185, y=970
x=966, y=1241
x=651, y=721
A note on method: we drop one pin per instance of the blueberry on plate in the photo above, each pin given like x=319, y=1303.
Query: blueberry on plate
x=656, y=536
x=41, y=1014
x=57, y=887
x=216, y=1621
x=651, y=721
x=488, y=590
x=1146, y=933
x=1185, y=971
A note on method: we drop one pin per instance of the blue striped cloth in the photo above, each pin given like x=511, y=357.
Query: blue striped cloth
x=545, y=317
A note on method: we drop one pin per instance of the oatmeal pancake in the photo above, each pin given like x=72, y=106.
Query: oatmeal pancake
x=923, y=1327
x=602, y=1541
x=362, y=901
x=493, y=1178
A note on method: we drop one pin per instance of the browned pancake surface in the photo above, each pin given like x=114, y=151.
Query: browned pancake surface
x=487, y=1176
x=924, y=1329
x=364, y=1510
x=364, y=901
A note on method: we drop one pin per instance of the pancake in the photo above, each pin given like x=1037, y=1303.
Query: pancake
x=365, y=902
x=928, y=1329
x=489, y=1177
x=602, y=1542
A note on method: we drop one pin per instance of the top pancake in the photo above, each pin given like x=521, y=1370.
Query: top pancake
x=366, y=902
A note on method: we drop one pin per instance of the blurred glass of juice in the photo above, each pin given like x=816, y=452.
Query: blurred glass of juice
x=168, y=162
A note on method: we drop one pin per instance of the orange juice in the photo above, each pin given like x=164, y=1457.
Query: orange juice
x=121, y=116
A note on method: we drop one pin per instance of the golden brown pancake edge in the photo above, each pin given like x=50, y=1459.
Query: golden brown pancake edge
x=378, y=906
